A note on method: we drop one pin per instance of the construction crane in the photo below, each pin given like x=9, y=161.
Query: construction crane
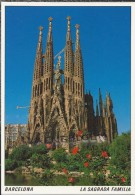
x=18, y=107
x=59, y=53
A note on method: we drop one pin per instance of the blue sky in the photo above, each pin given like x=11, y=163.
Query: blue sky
x=105, y=42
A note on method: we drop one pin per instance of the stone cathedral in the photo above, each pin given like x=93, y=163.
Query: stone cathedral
x=59, y=107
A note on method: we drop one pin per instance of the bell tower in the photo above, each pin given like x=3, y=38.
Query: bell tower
x=48, y=72
x=35, y=121
x=78, y=81
x=68, y=73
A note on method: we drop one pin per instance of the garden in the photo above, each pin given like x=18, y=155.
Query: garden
x=100, y=164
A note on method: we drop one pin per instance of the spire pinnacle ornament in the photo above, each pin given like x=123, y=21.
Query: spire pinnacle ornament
x=68, y=18
x=50, y=19
x=41, y=28
x=77, y=26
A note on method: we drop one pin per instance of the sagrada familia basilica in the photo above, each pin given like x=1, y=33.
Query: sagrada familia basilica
x=59, y=107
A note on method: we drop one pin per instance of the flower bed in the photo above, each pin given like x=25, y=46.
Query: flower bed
x=99, y=164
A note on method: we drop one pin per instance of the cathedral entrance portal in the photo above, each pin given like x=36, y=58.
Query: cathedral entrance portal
x=52, y=135
x=56, y=132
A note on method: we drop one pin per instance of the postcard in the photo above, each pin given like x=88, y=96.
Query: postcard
x=67, y=98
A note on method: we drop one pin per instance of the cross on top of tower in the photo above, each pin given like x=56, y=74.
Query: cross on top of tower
x=77, y=26
x=50, y=18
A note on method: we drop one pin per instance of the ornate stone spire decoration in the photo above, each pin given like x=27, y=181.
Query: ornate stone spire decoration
x=68, y=72
x=35, y=112
x=68, y=60
x=68, y=51
x=50, y=30
x=40, y=35
x=77, y=37
x=48, y=63
x=58, y=75
x=38, y=60
x=78, y=64
x=68, y=29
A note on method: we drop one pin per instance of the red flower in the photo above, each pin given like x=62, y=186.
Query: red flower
x=86, y=164
x=88, y=156
x=79, y=133
x=71, y=179
x=48, y=146
x=65, y=170
x=123, y=179
x=104, y=154
x=75, y=150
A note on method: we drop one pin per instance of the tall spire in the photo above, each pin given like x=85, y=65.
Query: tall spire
x=68, y=58
x=48, y=64
x=38, y=60
x=68, y=29
x=50, y=30
x=100, y=103
x=77, y=37
x=109, y=105
x=78, y=65
x=39, y=48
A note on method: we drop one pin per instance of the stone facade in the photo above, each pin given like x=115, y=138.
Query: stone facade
x=59, y=109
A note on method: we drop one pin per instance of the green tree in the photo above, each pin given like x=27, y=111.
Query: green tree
x=120, y=152
x=41, y=160
x=10, y=164
x=40, y=157
x=40, y=149
x=21, y=153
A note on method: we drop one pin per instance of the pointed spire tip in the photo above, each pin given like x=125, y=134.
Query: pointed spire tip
x=50, y=19
x=41, y=28
x=69, y=18
x=77, y=26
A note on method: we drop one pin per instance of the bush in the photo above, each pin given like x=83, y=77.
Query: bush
x=21, y=153
x=120, y=151
x=46, y=178
x=74, y=162
x=99, y=179
x=120, y=162
x=10, y=164
x=94, y=149
x=41, y=160
x=60, y=155
x=40, y=149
